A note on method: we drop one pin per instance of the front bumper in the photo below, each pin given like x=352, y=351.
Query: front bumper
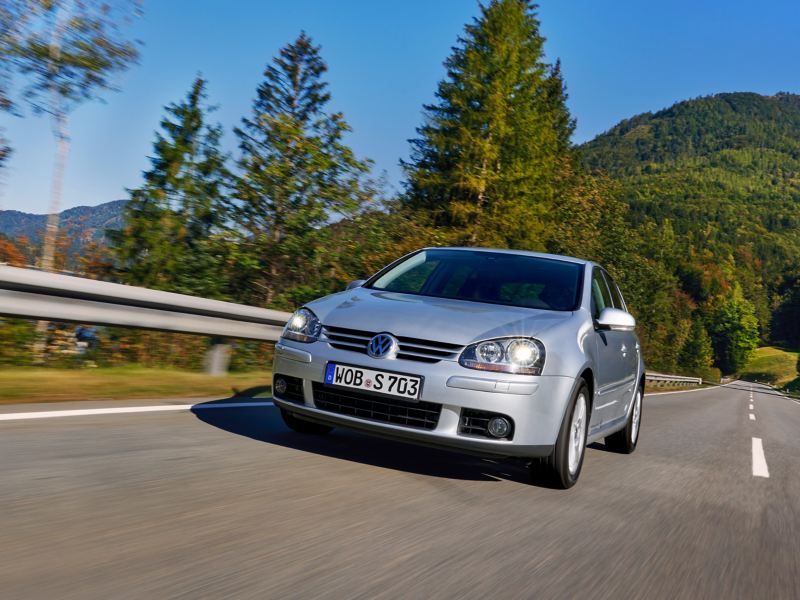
x=535, y=404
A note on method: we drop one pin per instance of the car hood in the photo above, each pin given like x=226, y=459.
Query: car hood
x=436, y=319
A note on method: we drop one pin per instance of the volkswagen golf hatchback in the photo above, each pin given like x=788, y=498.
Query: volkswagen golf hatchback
x=494, y=352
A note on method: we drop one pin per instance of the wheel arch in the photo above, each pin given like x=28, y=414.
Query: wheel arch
x=587, y=374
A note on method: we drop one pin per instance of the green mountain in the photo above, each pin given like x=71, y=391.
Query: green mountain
x=699, y=128
x=714, y=186
x=82, y=224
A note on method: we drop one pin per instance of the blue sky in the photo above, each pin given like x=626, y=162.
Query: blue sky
x=619, y=57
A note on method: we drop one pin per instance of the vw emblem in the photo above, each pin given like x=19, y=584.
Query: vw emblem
x=383, y=345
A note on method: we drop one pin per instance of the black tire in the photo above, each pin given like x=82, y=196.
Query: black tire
x=554, y=470
x=624, y=441
x=303, y=426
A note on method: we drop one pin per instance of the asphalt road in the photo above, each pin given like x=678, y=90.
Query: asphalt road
x=227, y=503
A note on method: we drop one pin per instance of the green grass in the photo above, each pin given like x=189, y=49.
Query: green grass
x=775, y=366
x=31, y=384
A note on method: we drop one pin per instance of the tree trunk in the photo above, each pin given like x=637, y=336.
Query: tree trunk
x=56, y=191
x=58, y=113
x=481, y=200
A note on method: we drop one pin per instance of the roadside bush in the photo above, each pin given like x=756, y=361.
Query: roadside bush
x=711, y=374
x=16, y=340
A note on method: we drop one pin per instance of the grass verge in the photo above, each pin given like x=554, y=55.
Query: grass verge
x=775, y=366
x=31, y=384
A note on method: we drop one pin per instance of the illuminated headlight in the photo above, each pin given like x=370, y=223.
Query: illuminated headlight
x=303, y=326
x=524, y=356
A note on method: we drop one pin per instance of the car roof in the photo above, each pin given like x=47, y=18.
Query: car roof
x=560, y=257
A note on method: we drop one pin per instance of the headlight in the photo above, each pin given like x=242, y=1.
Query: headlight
x=303, y=326
x=524, y=356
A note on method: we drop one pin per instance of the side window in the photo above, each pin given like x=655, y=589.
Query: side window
x=601, y=298
x=616, y=296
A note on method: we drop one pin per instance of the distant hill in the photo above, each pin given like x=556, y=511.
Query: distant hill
x=82, y=224
x=700, y=128
x=720, y=176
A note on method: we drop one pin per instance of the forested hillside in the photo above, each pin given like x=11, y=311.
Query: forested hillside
x=716, y=183
x=81, y=228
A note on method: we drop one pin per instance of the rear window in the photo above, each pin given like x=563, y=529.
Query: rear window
x=494, y=277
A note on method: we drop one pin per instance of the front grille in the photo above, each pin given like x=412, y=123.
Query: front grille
x=416, y=349
x=421, y=415
x=294, y=389
x=476, y=422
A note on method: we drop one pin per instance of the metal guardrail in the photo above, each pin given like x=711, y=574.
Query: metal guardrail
x=50, y=296
x=33, y=294
x=660, y=380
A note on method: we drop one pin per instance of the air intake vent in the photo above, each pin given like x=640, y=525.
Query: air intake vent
x=420, y=415
x=416, y=349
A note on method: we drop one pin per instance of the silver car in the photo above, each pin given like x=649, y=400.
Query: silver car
x=494, y=352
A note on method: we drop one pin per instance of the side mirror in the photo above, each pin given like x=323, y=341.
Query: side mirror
x=615, y=319
x=355, y=284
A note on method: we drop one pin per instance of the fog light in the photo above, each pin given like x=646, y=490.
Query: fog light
x=279, y=385
x=499, y=427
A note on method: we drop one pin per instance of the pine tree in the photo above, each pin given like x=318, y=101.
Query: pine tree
x=697, y=355
x=171, y=237
x=297, y=175
x=494, y=151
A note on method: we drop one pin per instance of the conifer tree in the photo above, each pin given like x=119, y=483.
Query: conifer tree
x=297, y=175
x=494, y=151
x=172, y=224
x=697, y=355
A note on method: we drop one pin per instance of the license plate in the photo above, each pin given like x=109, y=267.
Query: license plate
x=387, y=383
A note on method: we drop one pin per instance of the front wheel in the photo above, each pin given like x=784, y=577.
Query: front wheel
x=562, y=468
x=302, y=426
x=624, y=441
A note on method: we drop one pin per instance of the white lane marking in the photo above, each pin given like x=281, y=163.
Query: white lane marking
x=752, y=417
x=705, y=389
x=759, y=460
x=46, y=414
x=751, y=407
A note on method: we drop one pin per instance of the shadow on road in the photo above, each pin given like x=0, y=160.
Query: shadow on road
x=602, y=447
x=265, y=425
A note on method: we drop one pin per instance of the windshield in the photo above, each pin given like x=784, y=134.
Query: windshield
x=495, y=277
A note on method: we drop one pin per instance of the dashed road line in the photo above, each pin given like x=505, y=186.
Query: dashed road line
x=752, y=417
x=760, y=468
x=49, y=414
x=703, y=389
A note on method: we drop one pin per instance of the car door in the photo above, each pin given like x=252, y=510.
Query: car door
x=611, y=374
x=629, y=352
